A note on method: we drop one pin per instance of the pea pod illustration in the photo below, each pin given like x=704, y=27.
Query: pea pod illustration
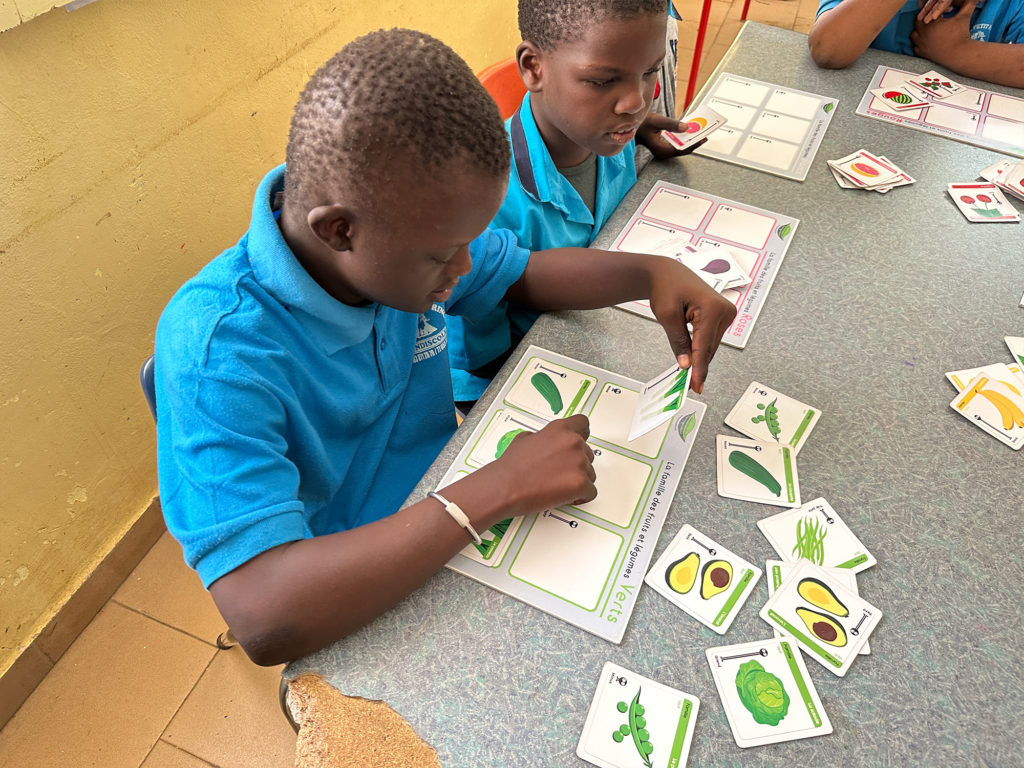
x=543, y=384
x=770, y=417
x=635, y=727
x=750, y=467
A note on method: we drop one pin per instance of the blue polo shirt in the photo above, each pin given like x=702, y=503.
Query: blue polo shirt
x=286, y=414
x=543, y=210
x=993, y=21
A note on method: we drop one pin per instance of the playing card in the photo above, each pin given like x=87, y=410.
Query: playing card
x=1011, y=373
x=714, y=264
x=815, y=532
x=996, y=170
x=938, y=86
x=635, y=722
x=703, y=578
x=777, y=571
x=829, y=622
x=660, y=400
x=982, y=202
x=995, y=406
x=766, y=693
x=1016, y=347
x=1012, y=180
x=899, y=97
x=765, y=414
x=753, y=470
x=698, y=125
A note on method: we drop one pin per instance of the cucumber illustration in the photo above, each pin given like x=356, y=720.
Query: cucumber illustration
x=506, y=441
x=543, y=384
x=752, y=469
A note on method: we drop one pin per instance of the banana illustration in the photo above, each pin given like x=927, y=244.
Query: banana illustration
x=1007, y=408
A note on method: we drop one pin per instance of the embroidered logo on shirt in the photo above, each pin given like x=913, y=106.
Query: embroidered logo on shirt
x=431, y=334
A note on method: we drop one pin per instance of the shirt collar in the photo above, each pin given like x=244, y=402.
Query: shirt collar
x=539, y=176
x=331, y=323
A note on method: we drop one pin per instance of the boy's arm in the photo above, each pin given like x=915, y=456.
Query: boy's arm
x=840, y=35
x=947, y=41
x=299, y=597
x=586, y=278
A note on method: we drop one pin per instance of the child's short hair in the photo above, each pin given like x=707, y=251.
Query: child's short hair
x=546, y=23
x=391, y=94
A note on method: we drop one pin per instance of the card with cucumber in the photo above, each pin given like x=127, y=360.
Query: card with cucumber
x=756, y=470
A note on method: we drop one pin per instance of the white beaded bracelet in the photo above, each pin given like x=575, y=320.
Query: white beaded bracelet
x=458, y=515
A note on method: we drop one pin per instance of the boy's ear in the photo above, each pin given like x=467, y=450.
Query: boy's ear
x=530, y=60
x=332, y=225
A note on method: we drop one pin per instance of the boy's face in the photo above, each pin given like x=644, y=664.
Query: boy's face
x=591, y=94
x=412, y=246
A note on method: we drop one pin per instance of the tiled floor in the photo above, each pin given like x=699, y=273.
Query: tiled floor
x=145, y=685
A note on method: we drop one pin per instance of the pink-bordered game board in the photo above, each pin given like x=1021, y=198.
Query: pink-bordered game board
x=974, y=116
x=757, y=239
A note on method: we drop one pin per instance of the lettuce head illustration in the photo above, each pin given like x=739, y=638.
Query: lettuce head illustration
x=761, y=693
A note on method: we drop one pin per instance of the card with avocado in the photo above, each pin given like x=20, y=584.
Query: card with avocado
x=703, y=578
x=634, y=721
x=766, y=693
x=829, y=622
x=755, y=470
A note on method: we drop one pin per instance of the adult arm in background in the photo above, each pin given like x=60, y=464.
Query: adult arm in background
x=947, y=41
x=841, y=34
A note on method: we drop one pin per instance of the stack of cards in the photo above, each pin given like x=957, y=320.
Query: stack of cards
x=992, y=397
x=698, y=126
x=635, y=722
x=763, y=469
x=982, y=202
x=863, y=170
x=1010, y=179
x=660, y=400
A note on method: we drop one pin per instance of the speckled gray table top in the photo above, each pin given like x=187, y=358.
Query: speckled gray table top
x=878, y=296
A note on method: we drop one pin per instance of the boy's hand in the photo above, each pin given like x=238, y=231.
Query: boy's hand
x=679, y=297
x=932, y=9
x=551, y=467
x=941, y=40
x=649, y=135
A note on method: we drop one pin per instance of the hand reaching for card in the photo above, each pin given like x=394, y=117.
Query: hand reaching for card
x=679, y=297
x=548, y=468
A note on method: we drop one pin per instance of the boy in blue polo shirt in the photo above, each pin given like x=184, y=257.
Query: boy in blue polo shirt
x=591, y=69
x=975, y=38
x=302, y=377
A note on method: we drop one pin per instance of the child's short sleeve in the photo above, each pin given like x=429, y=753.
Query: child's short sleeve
x=498, y=262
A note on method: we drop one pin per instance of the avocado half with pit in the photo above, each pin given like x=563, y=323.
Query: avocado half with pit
x=715, y=578
x=682, y=574
x=818, y=594
x=823, y=627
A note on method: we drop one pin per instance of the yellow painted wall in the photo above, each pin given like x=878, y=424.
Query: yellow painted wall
x=132, y=136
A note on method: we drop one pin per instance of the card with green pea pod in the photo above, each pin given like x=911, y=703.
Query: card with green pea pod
x=815, y=532
x=765, y=414
x=636, y=722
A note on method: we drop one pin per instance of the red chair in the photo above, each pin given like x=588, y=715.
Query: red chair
x=502, y=81
x=698, y=47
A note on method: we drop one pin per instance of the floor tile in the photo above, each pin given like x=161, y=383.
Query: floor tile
x=232, y=719
x=163, y=587
x=166, y=755
x=110, y=696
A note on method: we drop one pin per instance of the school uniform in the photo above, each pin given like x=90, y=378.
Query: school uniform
x=543, y=210
x=993, y=21
x=285, y=414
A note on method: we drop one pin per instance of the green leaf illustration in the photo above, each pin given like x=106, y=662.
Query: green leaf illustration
x=783, y=231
